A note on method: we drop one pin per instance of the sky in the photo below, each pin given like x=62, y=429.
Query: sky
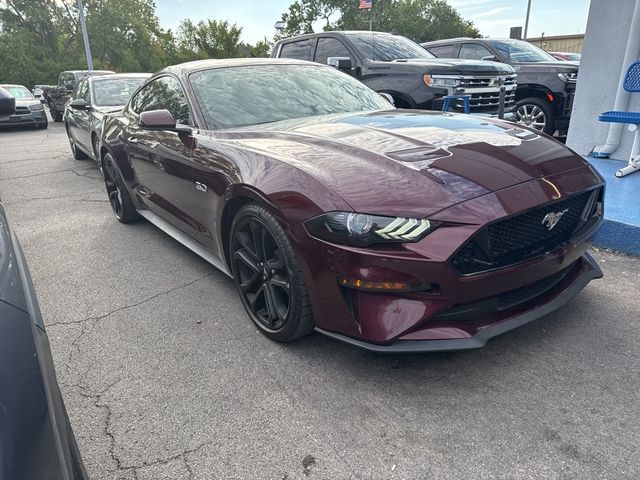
x=492, y=17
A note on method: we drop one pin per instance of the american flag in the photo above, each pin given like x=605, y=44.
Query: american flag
x=365, y=4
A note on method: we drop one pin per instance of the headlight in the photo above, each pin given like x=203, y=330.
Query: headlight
x=36, y=107
x=445, y=82
x=361, y=230
x=568, y=77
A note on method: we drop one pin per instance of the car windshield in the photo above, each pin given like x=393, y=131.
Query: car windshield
x=254, y=94
x=521, y=51
x=386, y=48
x=18, y=91
x=115, y=92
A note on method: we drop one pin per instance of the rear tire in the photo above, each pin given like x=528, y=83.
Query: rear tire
x=267, y=275
x=121, y=202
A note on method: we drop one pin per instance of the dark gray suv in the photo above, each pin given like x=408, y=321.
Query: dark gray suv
x=546, y=86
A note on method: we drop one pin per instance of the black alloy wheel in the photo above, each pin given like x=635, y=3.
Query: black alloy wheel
x=119, y=198
x=267, y=275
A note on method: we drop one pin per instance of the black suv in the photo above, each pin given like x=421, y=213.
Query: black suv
x=545, y=86
x=395, y=65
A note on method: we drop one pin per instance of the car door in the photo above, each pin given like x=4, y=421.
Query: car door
x=79, y=120
x=162, y=160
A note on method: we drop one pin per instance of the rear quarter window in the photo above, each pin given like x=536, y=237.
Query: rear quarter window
x=300, y=50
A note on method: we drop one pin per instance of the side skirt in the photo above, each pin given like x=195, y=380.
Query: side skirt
x=185, y=240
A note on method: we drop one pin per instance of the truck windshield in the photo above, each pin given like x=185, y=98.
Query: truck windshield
x=386, y=47
x=255, y=94
x=521, y=51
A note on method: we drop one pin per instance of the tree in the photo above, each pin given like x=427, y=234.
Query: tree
x=420, y=20
x=208, y=39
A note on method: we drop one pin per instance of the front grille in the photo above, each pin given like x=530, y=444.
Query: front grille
x=525, y=236
x=22, y=110
x=484, y=82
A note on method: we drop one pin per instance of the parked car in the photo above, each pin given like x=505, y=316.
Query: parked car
x=93, y=97
x=566, y=56
x=394, y=230
x=28, y=109
x=57, y=96
x=546, y=87
x=38, y=92
x=36, y=439
x=397, y=66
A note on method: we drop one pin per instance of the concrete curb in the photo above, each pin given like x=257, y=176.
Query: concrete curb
x=621, y=228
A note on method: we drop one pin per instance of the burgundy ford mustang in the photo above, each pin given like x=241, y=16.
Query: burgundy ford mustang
x=394, y=230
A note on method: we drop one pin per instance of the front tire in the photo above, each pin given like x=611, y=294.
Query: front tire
x=267, y=275
x=56, y=115
x=119, y=198
x=535, y=113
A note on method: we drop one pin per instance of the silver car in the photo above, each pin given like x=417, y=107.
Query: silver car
x=29, y=110
x=92, y=99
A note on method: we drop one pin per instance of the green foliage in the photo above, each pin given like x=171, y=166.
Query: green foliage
x=39, y=39
x=419, y=20
x=208, y=39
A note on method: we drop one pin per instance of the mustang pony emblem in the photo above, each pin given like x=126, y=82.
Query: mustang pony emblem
x=551, y=219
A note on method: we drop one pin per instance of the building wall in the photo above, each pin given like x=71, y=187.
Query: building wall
x=561, y=43
x=600, y=69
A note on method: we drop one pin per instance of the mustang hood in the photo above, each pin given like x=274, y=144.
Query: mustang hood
x=408, y=162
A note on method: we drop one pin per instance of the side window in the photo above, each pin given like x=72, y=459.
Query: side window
x=473, y=51
x=67, y=79
x=82, y=90
x=330, y=47
x=163, y=93
x=299, y=50
x=444, y=51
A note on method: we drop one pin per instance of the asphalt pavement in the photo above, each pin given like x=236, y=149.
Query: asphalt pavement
x=164, y=376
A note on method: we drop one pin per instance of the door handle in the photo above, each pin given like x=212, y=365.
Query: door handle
x=133, y=140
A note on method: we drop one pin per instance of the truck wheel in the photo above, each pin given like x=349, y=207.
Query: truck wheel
x=57, y=116
x=535, y=113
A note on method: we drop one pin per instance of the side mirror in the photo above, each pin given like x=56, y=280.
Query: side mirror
x=388, y=98
x=7, y=103
x=79, y=104
x=341, y=63
x=491, y=58
x=157, y=120
x=69, y=86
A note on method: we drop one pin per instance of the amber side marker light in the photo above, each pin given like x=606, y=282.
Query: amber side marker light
x=550, y=97
x=366, y=285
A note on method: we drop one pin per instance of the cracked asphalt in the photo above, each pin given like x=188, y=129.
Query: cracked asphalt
x=164, y=376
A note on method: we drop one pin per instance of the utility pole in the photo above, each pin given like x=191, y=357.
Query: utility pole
x=85, y=36
x=526, y=21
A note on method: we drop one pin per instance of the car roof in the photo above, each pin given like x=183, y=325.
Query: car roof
x=197, y=65
x=93, y=78
x=335, y=32
x=8, y=85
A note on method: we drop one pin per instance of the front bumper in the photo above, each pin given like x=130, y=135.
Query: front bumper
x=38, y=117
x=585, y=270
x=460, y=309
